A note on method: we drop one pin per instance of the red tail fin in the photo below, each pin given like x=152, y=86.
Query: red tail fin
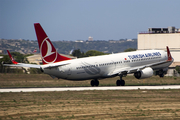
x=12, y=59
x=48, y=52
x=169, y=54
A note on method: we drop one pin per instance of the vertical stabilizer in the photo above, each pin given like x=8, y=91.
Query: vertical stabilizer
x=48, y=51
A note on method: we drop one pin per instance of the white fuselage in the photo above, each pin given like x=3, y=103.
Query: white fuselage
x=105, y=65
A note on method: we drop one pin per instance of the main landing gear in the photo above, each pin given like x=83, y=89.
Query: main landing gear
x=94, y=82
x=120, y=82
x=161, y=73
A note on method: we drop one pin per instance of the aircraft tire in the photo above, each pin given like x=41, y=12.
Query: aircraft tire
x=92, y=83
x=96, y=82
x=161, y=75
x=118, y=82
x=122, y=82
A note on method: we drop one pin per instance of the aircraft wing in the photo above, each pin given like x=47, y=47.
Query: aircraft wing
x=35, y=66
x=128, y=70
x=16, y=64
x=23, y=65
x=49, y=66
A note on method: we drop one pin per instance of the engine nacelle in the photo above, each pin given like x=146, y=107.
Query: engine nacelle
x=145, y=73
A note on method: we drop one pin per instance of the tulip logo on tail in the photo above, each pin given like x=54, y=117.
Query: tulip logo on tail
x=48, y=53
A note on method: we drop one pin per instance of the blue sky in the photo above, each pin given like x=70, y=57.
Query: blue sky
x=79, y=19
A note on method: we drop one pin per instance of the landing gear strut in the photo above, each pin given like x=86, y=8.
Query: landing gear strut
x=94, y=82
x=161, y=73
x=120, y=82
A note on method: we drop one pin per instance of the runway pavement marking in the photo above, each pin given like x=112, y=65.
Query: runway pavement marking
x=90, y=88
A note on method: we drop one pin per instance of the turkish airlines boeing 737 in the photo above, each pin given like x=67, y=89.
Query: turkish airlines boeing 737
x=140, y=63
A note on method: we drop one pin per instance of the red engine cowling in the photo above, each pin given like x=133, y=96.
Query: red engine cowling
x=145, y=73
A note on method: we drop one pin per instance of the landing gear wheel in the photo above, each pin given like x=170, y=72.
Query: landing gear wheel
x=94, y=83
x=120, y=82
x=161, y=75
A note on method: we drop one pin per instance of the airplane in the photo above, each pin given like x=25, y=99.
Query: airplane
x=140, y=63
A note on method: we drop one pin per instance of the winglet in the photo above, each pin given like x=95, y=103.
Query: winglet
x=168, y=54
x=12, y=59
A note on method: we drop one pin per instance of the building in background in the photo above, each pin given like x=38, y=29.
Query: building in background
x=90, y=38
x=159, y=38
x=1, y=51
x=36, y=58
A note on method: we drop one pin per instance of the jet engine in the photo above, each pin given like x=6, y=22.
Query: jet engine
x=145, y=73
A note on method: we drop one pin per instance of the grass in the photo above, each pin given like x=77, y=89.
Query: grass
x=43, y=80
x=75, y=105
x=133, y=104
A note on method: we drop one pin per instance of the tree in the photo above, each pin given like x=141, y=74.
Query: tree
x=78, y=53
x=4, y=59
x=19, y=57
x=130, y=49
x=178, y=69
x=7, y=60
x=34, y=71
x=93, y=53
x=89, y=53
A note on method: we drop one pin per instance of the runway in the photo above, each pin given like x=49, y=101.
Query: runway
x=90, y=88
